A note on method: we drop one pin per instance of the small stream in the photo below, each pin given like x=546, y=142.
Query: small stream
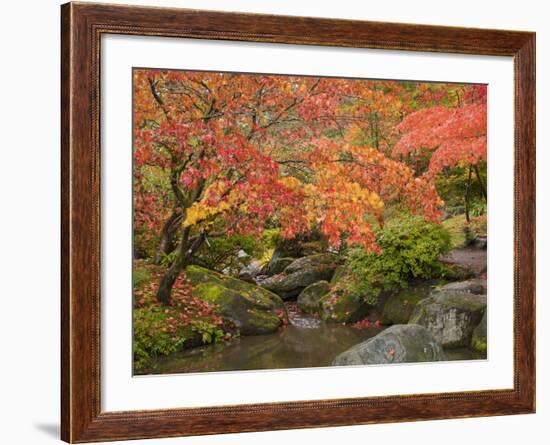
x=306, y=342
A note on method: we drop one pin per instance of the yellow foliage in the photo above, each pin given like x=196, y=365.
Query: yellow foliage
x=291, y=182
x=200, y=212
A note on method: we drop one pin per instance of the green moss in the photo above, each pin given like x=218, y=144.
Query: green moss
x=255, y=294
x=479, y=336
x=344, y=308
x=252, y=309
x=455, y=272
x=461, y=300
x=309, y=298
x=399, y=307
x=262, y=321
x=151, y=339
x=279, y=265
x=479, y=345
x=199, y=275
x=213, y=293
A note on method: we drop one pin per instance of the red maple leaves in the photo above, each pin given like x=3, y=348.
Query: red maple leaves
x=457, y=135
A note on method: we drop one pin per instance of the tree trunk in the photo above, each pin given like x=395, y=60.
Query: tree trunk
x=164, y=293
x=167, y=243
x=467, y=195
x=186, y=251
x=481, y=183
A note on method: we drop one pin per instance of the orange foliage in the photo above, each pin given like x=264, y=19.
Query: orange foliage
x=240, y=150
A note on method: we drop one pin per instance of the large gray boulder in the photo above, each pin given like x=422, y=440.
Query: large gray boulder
x=301, y=273
x=403, y=343
x=252, y=309
x=474, y=286
x=451, y=316
x=309, y=298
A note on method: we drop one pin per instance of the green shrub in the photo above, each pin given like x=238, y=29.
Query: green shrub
x=270, y=238
x=411, y=248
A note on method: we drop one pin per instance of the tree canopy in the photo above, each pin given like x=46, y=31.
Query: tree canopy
x=221, y=154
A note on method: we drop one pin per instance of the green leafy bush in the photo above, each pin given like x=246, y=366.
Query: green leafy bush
x=270, y=238
x=411, y=249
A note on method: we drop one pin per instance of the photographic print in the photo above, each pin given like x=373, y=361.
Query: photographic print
x=287, y=221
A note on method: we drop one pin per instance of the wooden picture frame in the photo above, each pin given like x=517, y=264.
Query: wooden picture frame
x=82, y=26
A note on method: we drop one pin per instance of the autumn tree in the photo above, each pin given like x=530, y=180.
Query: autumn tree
x=374, y=108
x=453, y=135
x=238, y=150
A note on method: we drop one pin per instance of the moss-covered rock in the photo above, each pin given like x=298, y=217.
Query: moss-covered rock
x=479, y=336
x=299, y=246
x=456, y=272
x=343, y=304
x=451, y=316
x=322, y=262
x=278, y=265
x=253, y=310
x=406, y=343
x=313, y=247
x=309, y=298
x=399, y=306
x=344, y=307
x=301, y=273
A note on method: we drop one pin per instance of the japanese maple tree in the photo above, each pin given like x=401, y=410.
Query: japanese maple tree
x=454, y=136
x=238, y=150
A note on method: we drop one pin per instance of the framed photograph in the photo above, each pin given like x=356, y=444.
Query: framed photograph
x=274, y=222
